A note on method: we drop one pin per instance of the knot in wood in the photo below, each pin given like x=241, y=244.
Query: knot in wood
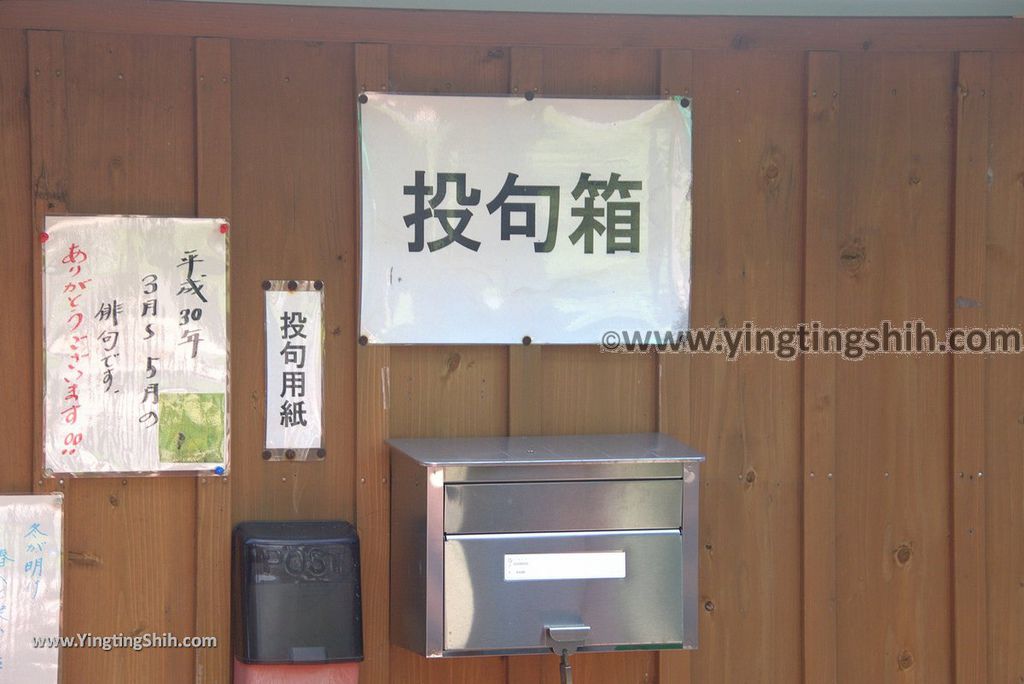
x=903, y=554
x=852, y=255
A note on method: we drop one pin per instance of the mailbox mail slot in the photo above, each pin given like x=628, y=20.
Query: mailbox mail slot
x=495, y=541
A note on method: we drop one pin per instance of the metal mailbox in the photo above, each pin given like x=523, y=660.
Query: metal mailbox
x=506, y=545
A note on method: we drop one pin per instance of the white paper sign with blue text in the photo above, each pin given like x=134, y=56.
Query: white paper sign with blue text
x=30, y=587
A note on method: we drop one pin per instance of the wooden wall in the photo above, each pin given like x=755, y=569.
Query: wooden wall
x=861, y=521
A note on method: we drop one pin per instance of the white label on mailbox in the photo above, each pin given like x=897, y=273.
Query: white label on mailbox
x=564, y=566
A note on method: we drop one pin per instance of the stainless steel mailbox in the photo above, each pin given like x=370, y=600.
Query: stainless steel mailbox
x=505, y=545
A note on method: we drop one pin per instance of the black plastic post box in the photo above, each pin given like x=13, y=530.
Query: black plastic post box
x=296, y=593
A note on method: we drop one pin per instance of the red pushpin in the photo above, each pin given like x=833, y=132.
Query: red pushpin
x=223, y=228
x=43, y=237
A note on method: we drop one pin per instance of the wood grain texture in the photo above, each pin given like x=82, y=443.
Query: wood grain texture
x=582, y=389
x=443, y=391
x=1002, y=305
x=821, y=239
x=449, y=391
x=46, y=140
x=49, y=156
x=493, y=28
x=974, y=72
x=526, y=370
x=139, y=90
x=373, y=495
x=130, y=541
x=898, y=204
x=892, y=412
x=293, y=161
x=213, y=494
x=745, y=413
x=675, y=78
x=18, y=245
x=213, y=127
x=373, y=513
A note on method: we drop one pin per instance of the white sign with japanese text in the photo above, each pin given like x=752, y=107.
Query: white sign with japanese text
x=491, y=219
x=30, y=587
x=135, y=344
x=295, y=335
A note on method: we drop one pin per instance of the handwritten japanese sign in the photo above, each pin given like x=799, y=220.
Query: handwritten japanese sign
x=294, y=327
x=30, y=585
x=136, y=345
x=491, y=219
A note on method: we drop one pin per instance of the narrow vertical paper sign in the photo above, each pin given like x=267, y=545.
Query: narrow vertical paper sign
x=295, y=332
x=30, y=587
x=136, y=344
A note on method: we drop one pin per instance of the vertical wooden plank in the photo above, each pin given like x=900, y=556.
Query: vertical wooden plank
x=582, y=389
x=587, y=391
x=673, y=371
x=47, y=136
x=525, y=370
x=373, y=500
x=213, y=494
x=213, y=127
x=1002, y=303
x=293, y=161
x=373, y=513
x=440, y=391
x=447, y=391
x=48, y=114
x=675, y=78
x=969, y=449
x=130, y=541
x=524, y=386
x=140, y=92
x=18, y=245
x=745, y=414
x=526, y=74
x=526, y=69
x=525, y=405
x=135, y=535
x=821, y=231
x=48, y=101
x=893, y=431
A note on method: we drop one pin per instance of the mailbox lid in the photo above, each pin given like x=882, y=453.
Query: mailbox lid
x=632, y=448
x=501, y=591
x=563, y=506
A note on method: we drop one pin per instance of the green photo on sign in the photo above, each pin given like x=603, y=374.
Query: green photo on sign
x=191, y=428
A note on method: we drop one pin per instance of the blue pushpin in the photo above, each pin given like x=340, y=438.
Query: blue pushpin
x=219, y=470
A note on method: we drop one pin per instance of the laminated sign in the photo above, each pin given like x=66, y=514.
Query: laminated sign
x=136, y=344
x=295, y=342
x=30, y=587
x=494, y=219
